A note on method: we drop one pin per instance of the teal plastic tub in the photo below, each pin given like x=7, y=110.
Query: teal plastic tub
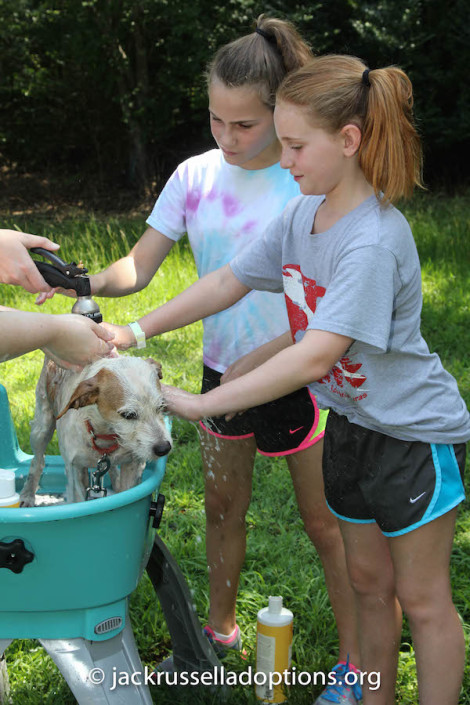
x=81, y=561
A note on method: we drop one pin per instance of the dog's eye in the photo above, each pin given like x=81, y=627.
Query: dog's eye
x=128, y=415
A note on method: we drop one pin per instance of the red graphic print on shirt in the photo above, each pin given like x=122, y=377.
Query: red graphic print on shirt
x=345, y=371
x=301, y=297
x=301, y=294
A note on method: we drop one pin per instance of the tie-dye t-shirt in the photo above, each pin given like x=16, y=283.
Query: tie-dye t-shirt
x=224, y=208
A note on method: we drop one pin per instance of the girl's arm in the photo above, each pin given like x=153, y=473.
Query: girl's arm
x=288, y=370
x=133, y=272
x=128, y=274
x=211, y=294
x=256, y=357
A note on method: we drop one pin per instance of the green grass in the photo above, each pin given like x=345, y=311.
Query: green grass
x=280, y=559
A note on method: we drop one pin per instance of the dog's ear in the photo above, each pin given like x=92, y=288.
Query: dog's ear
x=85, y=394
x=156, y=364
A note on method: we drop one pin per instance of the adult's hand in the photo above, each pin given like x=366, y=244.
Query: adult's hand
x=16, y=264
x=77, y=340
x=70, y=340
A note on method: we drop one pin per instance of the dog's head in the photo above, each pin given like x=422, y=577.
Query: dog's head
x=125, y=392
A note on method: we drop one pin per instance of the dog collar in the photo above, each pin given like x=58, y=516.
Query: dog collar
x=102, y=437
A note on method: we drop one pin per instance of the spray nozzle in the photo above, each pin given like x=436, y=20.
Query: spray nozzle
x=69, y=275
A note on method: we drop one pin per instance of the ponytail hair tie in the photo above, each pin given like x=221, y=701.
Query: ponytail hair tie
x=365, y=78
x=269, y=37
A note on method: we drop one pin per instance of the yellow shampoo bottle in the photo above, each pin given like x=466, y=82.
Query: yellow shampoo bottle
x=8, y=495
x=273, y=650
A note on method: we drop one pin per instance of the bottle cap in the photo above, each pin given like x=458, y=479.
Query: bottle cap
x=275, y=604
x=7, y=483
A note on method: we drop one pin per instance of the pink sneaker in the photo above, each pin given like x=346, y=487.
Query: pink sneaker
x=220, y=646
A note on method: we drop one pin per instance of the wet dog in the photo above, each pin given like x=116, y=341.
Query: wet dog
x=113, y=407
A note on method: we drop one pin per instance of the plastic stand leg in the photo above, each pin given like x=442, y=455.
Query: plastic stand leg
x=102, y=672
x=192, y=650
x=4, y=682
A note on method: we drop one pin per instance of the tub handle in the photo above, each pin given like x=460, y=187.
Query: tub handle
x=14, y=555
x=156, y=510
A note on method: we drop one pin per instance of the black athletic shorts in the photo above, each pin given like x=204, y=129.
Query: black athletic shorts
x=280, y=427
x=401, y=485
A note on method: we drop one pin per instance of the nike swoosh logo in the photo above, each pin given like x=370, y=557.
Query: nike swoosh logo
x=295, y=430
x=412, y=501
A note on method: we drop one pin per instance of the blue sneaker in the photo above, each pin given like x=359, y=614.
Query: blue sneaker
x=345, y=693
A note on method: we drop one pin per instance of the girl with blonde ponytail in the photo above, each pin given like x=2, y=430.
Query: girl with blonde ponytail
x=341, y=90
x=395, y=439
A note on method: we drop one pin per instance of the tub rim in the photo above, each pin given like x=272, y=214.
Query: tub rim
x=15, y=515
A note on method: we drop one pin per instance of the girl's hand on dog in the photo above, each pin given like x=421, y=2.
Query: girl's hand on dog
x=123, y=337
x=183, y=404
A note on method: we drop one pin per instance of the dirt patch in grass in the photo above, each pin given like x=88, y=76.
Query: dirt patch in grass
x=23, y=194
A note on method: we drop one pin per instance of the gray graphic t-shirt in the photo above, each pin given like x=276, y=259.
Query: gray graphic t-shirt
x=361, y=278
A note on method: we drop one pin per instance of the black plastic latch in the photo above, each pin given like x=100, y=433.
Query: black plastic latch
x=14, y=555
x=156, y=510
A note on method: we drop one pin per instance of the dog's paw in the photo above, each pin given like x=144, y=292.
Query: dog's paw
x=27, y=500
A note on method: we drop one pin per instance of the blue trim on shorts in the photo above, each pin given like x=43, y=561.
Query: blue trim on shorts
x=350, y=519
x=448, y=492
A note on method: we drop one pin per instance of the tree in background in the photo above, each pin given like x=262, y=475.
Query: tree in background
x=112, y=91
x=430, y=39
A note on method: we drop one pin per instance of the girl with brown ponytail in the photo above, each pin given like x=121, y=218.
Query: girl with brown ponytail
x=224, y=199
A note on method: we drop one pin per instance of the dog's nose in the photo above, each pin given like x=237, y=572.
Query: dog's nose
x=161, y=449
